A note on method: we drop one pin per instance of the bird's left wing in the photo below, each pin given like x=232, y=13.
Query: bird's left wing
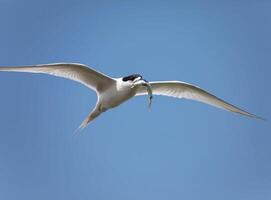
x=73, y=71
x=180, y=89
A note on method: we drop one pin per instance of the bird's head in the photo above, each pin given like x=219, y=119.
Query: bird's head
x=132, y=78
x=137, y=80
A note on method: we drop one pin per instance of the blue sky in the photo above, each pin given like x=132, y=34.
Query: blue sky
x=178, y=150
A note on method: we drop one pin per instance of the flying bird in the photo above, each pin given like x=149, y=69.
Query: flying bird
x=112, y=92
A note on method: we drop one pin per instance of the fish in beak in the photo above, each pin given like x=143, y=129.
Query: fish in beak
x=141, y=82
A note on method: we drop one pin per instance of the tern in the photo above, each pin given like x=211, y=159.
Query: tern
x=112, y=92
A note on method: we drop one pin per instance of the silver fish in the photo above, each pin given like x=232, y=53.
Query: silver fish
x=147, y=85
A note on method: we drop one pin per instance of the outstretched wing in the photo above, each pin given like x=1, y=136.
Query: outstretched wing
x=73, y=71
x=180, y=89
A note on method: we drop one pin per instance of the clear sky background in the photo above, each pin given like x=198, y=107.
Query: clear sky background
x=178, y=150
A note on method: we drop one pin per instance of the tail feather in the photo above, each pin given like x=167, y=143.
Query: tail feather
x=85, y=122
x=95, y=113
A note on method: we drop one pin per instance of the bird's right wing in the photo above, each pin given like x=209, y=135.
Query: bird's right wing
x=180, y=89
x=73, y=71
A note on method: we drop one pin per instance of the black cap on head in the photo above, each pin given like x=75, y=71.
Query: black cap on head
x=131, y=77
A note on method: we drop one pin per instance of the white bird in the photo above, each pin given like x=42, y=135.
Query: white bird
x=112, y=92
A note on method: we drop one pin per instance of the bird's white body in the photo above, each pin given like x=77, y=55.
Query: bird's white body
x=116, y=94
x=112, y=92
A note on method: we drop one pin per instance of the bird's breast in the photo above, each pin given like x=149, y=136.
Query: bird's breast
x=114, y=96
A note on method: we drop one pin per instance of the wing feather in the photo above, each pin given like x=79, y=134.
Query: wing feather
x=73, y=71
x=180, y=89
